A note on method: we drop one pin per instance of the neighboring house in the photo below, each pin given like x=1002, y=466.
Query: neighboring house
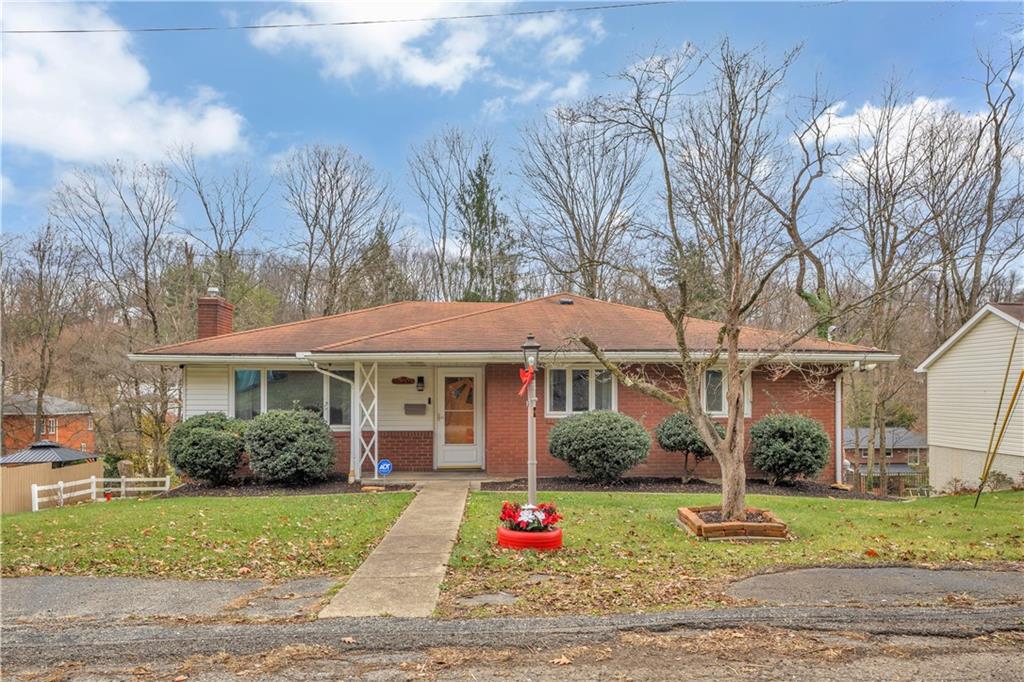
x=906, y=455
x=63, y=421
x=966, y=376
x=435, y=385
x=43, y=463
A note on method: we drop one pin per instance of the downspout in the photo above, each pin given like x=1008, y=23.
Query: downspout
x=839, y=429
x=351, y=433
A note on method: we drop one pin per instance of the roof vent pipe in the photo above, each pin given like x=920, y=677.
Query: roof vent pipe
x=565, y=301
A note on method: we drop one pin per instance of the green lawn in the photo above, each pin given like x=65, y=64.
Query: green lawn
x=202, y=537
x=623, y=551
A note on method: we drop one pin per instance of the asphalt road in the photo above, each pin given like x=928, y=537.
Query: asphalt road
x=52, y=642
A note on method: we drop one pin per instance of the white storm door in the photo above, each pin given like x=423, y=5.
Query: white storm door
x=458, y=428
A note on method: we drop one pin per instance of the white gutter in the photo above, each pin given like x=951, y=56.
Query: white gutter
x=305, y=357
x=147, y=359
x=841, y=357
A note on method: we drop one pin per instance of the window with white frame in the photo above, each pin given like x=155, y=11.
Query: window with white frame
x=339, y=400
x=579, y=389
x=713, y=389
x=50, y=426
x=256, y=390
x=90, y=425
x=295, y=389
x=248, y=393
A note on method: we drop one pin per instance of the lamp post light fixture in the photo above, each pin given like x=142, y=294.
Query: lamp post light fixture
x=531, y=363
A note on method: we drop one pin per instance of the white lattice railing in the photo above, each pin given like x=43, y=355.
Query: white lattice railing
x=93, y=487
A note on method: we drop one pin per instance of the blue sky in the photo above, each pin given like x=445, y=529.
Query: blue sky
x=242, y=95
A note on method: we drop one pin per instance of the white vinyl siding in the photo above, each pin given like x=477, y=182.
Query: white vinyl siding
x=963, y=391
x=206, y=390
x=394, y=397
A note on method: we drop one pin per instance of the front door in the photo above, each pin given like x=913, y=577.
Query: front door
x=459, y=424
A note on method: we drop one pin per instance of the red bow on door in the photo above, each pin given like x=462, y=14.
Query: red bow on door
x=526, y=376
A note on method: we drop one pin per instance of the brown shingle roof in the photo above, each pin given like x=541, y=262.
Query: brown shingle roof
x=1015, y=310
x=294, y=337
x=427, y=327
x=613, y=326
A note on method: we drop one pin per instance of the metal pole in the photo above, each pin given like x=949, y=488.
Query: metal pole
x=531, y=431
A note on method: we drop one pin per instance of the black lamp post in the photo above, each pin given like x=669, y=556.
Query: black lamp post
x=531, y=361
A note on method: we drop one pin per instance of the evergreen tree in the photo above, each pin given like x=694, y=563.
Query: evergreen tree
x=492, y=261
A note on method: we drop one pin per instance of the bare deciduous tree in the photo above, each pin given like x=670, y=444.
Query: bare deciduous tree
x=230, y=205
x=342, y=206
x=723, y=176
x=439, y=170
x=585, y=192
x=971, y=182
x=878, y=199
x=51, y=285
x=122, y=217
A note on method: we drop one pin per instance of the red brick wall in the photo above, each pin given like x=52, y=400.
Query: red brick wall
x=214, y=316
x=407, y=450
x=72, y=432
x=506, y=422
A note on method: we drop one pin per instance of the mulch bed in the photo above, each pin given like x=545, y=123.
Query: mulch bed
x=252, y=488
x=716, y=517
x=669, y=485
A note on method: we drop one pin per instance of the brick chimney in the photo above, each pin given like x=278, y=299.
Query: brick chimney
x=214, y=315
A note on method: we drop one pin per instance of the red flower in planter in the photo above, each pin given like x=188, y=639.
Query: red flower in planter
x=515, y=516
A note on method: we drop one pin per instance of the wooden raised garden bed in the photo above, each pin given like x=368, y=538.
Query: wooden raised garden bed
x=761, y=524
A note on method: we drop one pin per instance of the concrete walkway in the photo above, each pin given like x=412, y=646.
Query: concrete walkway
x=402, y=576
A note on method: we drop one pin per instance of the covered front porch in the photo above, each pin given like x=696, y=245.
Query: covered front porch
x=419, y=417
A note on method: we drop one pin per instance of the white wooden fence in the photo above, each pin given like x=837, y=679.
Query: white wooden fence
x=96, y=488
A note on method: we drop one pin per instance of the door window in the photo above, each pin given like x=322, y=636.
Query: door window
x=459, y=413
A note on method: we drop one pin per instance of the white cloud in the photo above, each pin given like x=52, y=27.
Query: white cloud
x=8, y=191
x=435, y=54
x=88, y=97
x=540, y=27
x=573, y=89
x=856, y=124
x=564, y=48
x=494, y=108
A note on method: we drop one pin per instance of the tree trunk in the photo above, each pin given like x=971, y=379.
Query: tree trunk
x=734, y=487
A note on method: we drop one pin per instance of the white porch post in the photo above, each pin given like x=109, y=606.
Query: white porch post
x=354, y=474
x=366, y=393
x=839, y=428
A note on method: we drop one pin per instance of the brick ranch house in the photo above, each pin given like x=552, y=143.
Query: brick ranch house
x=434, y=386
x=62, y=421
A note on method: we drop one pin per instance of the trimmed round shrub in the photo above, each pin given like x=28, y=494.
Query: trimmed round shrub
x=678, y=433
x=289, y=446
x=786, y=446
x=599, y=446
x=207, y=447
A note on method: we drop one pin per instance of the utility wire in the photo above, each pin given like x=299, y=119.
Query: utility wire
x=320, y=24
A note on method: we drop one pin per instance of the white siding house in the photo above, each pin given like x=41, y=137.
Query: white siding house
x=206, y=389
x=966, y=377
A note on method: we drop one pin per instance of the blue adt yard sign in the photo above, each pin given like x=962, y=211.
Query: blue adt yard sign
x=384, y=467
